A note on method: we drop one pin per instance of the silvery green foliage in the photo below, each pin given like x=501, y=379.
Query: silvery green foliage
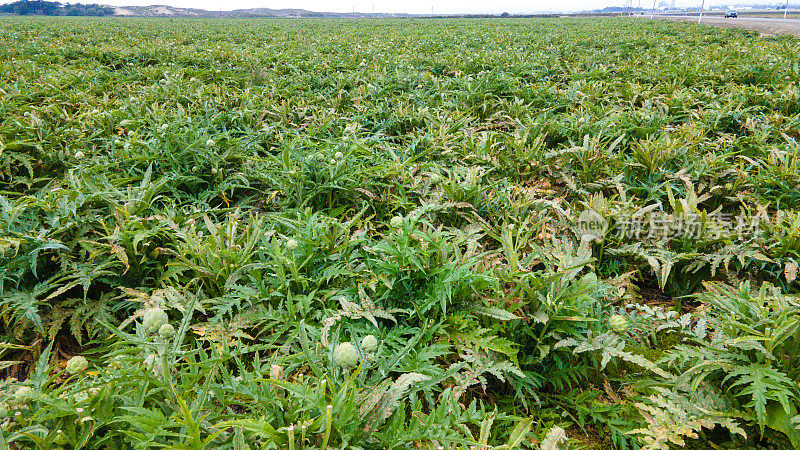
x=674, y=417
x=611, y=347
x=280, y=189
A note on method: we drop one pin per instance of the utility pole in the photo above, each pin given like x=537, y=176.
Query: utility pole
x=702, y=5
x=653, y=11
x=786, y=10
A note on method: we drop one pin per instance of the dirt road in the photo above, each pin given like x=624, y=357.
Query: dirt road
x=762, y=25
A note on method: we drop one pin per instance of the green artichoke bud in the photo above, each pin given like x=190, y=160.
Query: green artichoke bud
x=618, y=323
x=396, y=222
x=369, y=344
x=76, y=364
x=166, y=331
x=23, y=395
x=291, y=244
x=346, y=355
x=153, y=318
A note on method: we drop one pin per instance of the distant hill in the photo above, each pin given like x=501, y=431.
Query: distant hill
x=46, y=8
x=171, y=11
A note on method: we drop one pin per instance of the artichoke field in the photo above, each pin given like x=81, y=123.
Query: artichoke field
x=450, y=233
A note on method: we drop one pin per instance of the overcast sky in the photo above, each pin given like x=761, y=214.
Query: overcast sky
x=405, y=6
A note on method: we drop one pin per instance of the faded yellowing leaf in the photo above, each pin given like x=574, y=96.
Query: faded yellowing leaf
x=790, y=271
x=120, y=253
